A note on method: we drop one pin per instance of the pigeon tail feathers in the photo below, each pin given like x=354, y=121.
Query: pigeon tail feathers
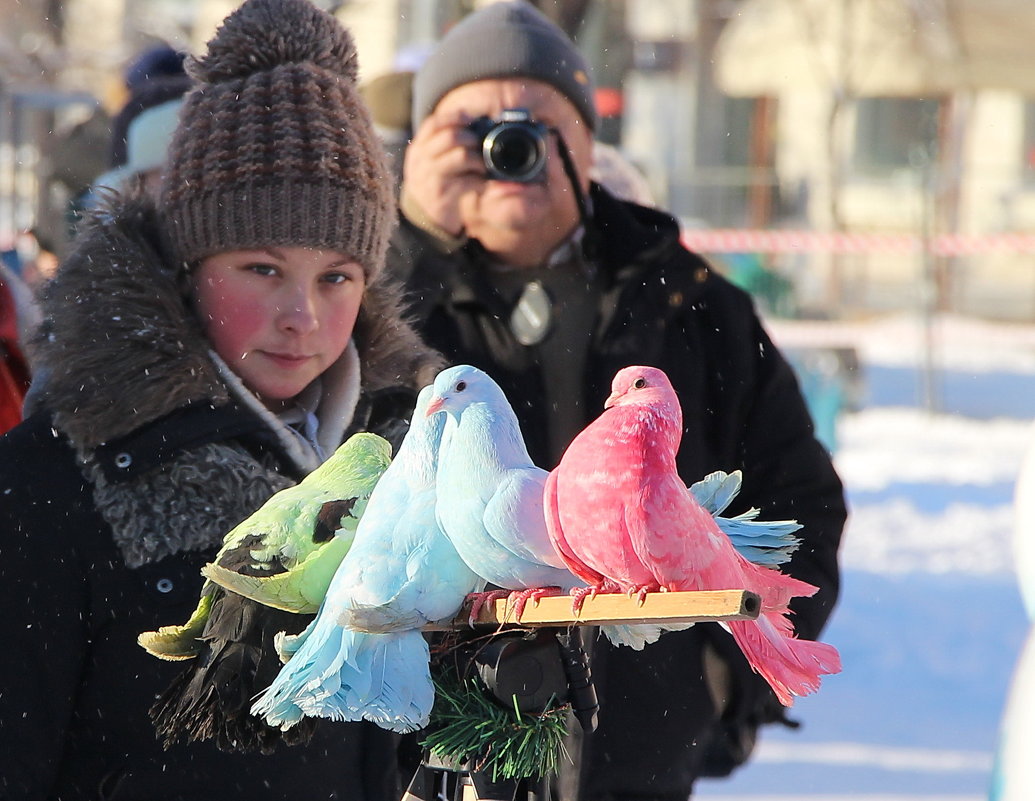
x=348, y=675
x=210, y=699
x=792, y=667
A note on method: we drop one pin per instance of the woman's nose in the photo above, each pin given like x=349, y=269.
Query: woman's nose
x=298, y=313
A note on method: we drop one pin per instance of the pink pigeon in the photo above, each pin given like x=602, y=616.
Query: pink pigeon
x=623, y=520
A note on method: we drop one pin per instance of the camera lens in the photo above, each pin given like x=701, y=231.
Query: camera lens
x=514, y=153
x=513, y=147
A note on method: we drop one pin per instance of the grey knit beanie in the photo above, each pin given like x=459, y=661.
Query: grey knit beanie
x=504, y=40
x=275, y=146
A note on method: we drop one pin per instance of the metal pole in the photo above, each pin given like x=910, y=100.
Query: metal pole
x=921, y=158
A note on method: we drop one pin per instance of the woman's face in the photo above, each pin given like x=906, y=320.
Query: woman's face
x=278, y=316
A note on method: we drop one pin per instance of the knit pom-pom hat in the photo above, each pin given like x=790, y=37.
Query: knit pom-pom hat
x=275, y=146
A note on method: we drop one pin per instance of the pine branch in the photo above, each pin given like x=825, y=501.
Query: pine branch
x=469, y=727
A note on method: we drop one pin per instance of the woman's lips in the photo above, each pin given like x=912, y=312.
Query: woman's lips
x=286, y=360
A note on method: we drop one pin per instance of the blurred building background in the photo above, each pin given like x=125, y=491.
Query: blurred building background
x=838, y=157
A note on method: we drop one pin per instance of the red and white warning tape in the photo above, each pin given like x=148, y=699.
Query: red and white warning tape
x=735, y=240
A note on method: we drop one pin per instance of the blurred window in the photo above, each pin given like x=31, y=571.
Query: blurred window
x=890, y=130
x=736, y=145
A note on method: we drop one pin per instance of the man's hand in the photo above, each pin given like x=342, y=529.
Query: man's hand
x=442, y=164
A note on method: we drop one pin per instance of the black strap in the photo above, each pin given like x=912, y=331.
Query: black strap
x=590, y=247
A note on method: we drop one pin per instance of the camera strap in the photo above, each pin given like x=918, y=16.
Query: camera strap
x=589, y=240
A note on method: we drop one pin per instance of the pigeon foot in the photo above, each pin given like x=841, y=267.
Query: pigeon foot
x=478, y=601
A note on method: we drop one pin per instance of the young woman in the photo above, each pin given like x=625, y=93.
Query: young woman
x=200, y=351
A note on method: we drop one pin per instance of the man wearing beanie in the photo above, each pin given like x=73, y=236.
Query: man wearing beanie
x=205, y=348
x=551, y=285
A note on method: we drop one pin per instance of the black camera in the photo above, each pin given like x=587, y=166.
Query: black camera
x=513, y=147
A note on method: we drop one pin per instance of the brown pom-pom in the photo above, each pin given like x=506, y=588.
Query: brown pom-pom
x=263, y=34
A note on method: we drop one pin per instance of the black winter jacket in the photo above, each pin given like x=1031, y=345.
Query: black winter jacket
x=663, y=306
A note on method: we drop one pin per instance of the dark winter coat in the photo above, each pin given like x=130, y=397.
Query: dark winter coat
x=663, y=306
x=112, y=498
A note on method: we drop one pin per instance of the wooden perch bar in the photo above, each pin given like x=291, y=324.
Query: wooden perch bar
x=604, y=609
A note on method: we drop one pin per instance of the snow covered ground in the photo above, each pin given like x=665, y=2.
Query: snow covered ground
x=930, y=620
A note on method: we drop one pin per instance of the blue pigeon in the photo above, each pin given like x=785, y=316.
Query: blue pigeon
x=768, y=543
x=490, y=498
x=364, y=656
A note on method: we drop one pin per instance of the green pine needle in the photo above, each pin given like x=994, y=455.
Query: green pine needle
x=469, y=728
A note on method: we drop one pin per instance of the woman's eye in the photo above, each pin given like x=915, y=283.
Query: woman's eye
x=262, y=269
x=337, y=278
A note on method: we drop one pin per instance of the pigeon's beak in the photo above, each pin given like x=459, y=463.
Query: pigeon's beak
x=612, y=399
x=435, y=406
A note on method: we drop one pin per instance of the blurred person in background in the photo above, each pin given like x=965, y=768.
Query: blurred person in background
x=153, y=76
x=142, y=130
x=148, y=137
x=16, y=309
x=98, y=145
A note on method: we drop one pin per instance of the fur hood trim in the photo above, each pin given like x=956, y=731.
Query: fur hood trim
x=118, y=347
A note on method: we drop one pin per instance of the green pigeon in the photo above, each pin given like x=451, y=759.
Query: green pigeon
x=270, y=576
x=285, y=554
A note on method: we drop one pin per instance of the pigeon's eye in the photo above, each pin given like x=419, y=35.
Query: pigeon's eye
x=639, y=383
x=461, y=386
